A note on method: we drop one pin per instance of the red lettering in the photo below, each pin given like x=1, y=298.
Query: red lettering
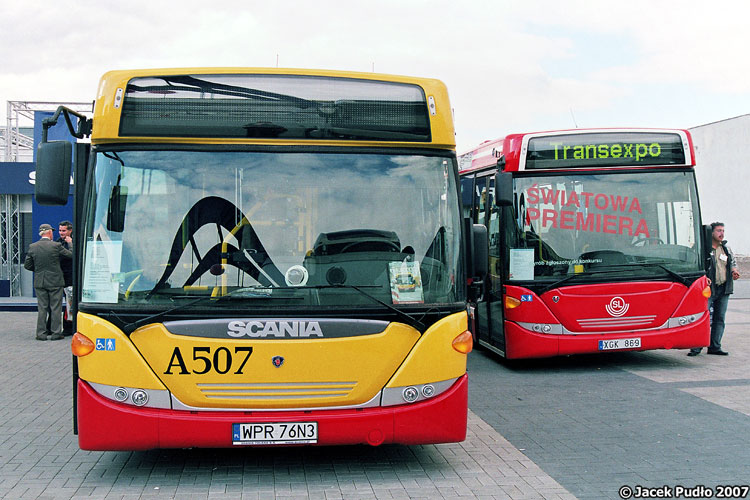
x=584, y=225
x=618, y=203
x=550, y=195
x=600, y=197
x=549, y=216
x=587, y=196
x=635, y=205
x=567, y=219
x=609, y=224
x=533, y=195
x=573, y=199
x=626, y=223
x=642, y=229
x=532, y=213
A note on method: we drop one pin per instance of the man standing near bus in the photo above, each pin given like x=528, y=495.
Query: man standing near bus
x=44, y=258
x=721, y=274
x=65, y=228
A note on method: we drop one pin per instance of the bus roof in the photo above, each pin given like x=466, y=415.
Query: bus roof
x=600, y=148
x=271, y=106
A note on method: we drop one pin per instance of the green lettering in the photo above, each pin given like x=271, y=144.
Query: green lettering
x=578, y=152
x=603, y=151
x=641, y=150
x=555, y=144
x=628, y=150
x=591, y=149
x=565, y=152
x=615, y=150
x=655, y=150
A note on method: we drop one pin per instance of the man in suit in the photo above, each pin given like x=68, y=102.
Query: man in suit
x=44, y=258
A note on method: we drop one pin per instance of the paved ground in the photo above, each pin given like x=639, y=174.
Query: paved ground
x=578, y=427
x=595, y=423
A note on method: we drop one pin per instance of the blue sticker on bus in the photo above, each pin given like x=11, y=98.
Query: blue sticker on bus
x=105, y=344
x=527, y=298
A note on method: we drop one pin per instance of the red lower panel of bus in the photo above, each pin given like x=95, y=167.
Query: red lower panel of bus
x=522, y=343
x=104, y=424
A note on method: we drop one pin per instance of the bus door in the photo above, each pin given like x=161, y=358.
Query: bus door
x=493, y=303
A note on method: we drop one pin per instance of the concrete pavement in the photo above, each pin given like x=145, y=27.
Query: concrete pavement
x=576, y=427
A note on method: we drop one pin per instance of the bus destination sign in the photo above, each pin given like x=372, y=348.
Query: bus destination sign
x=605, y=149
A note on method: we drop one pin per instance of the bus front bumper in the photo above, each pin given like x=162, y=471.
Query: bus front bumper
x=104, y=424
x=522, y=343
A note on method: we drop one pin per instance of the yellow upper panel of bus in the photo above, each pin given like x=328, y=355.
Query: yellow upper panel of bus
x=271, y=106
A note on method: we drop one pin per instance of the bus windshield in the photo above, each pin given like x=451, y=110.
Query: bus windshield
x=264, y=230
x=604, y=225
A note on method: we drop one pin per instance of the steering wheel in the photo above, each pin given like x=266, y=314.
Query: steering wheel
x=392, y=246
x=650, y=241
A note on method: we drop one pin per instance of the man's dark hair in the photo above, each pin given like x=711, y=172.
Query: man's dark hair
x=714, y=225
x=67, y=224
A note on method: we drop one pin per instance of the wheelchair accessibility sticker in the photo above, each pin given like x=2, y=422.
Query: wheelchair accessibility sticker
x=105, y=344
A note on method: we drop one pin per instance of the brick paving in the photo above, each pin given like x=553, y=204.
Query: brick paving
x=595, y=423
x=40, y=459
x=577, y=427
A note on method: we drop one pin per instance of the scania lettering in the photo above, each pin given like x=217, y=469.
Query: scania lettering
x=274, y=329
x=244, y=238
x=596, y=243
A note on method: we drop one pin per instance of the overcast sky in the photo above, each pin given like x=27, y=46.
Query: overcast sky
x=510, y=66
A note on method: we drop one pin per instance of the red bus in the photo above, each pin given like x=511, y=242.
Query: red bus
x=596, y=242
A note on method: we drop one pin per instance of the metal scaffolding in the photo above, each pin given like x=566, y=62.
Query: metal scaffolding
x=18, y=147
x=10, y=242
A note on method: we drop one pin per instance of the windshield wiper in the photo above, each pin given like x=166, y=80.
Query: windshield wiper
x=570, y=277
x=614, y=267
x=242, y=293
x=678, y=277
x=408, y=318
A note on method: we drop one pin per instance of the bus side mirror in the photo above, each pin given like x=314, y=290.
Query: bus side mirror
x=503, y=189
x=54, y=161
x=479, y=250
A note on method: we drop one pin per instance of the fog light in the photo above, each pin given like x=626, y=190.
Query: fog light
x=428, y=391
x=683, y=321
x=121, y=394
x=546, y=328
x=140, y=397
x=410, y=394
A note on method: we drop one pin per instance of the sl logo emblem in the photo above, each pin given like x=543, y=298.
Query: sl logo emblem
x=617, y=307
x=277, y=361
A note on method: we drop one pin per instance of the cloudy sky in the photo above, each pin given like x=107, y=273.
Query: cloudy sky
x=510, y=66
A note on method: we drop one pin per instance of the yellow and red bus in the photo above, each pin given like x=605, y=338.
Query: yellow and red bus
x=596, y=242
x=242, y=236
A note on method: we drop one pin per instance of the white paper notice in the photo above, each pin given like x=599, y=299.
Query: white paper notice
x=102, y=262
x=522, y=264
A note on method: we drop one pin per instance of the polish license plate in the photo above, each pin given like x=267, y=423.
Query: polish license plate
x=614, y=344
x=275, y=433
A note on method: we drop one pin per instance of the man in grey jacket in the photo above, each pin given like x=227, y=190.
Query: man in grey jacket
x=722, y=272
x=44, y=258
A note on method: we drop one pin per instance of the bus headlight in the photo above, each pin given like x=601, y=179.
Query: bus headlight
x=140, y=397
x=410, y=394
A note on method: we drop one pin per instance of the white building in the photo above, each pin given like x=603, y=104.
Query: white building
x=723, y=173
